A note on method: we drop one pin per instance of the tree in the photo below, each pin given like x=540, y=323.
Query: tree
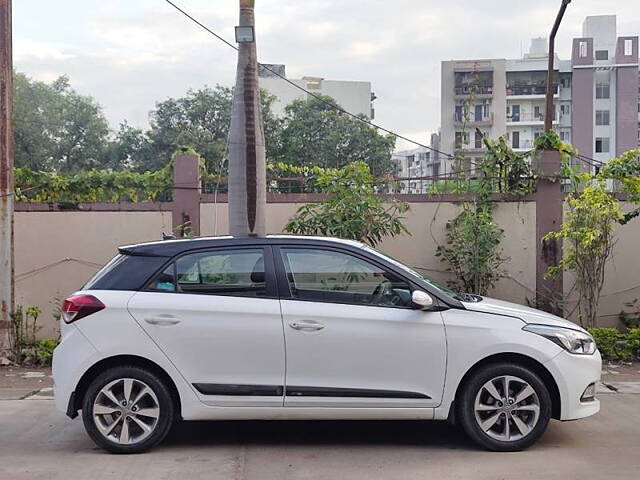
x=199, y=120
x=588, y=235
x=130, y=148
x=352, y=210
x=57, y=129
x=315, y=134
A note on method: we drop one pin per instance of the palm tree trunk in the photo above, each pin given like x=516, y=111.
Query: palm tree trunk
x=247, y=156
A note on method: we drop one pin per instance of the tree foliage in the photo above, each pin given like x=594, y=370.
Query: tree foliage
x=315, y=134
x=352, y=210
x=472, y=252
x=199, y=120
x=588, y=236
x=57, y=129
x=625, y=170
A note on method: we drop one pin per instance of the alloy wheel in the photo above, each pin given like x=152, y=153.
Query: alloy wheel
x=507, y=408
x=126, y=411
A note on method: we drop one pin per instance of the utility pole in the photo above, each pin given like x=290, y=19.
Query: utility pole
x=247, y=155
x=548, y=119
x=6, y=176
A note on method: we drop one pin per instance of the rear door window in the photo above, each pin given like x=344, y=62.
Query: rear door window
x=238, y=272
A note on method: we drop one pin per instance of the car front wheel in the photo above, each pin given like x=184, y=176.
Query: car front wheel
x=127, y=410
x=504, y=407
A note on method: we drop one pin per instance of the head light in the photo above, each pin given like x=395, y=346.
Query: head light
x=573, y=341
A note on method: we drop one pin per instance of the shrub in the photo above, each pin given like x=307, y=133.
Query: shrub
x=44, y=351
x=614, y=345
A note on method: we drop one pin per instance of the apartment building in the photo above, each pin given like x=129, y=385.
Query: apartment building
x=596, y=96
x=355, y=97
x=417, y=168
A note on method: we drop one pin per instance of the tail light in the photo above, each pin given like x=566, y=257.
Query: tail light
x=79, y=306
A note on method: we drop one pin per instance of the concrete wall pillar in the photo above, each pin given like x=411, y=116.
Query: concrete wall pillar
x=549, y=212
x=186, y=195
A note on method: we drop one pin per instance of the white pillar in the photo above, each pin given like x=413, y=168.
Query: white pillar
x=247, y=155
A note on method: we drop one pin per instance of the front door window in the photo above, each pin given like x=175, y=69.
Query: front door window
x=335, y=277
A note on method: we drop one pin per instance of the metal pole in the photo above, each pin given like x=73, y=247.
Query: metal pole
x=6, y=176
x=548, y=119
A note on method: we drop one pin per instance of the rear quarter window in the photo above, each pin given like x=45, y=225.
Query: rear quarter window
x=125, y=272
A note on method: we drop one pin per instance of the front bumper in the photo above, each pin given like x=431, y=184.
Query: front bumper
x=573, y=374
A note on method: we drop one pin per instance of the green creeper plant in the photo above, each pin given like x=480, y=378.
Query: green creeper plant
x=92, y=186
x=473, y=249
x=352, y=209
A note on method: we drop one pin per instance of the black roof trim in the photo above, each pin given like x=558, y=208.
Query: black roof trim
x=171, y=248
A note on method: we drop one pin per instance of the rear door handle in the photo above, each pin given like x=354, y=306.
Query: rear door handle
x=162, y=320
x=308, y=325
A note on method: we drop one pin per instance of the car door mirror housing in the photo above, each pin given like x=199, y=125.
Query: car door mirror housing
x=421, y=299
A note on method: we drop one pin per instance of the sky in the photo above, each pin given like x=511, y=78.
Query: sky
x=130, y=54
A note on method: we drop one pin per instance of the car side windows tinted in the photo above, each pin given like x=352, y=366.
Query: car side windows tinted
x=220, y=272
x=165, y=282
x=330, y=276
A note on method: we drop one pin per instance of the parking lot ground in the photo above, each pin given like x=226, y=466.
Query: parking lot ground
x=37, y=442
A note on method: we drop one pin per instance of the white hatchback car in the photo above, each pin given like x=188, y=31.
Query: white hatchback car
x=287, y=327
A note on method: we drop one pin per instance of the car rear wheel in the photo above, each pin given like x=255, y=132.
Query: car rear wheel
x=127, y=410
x=504, y=407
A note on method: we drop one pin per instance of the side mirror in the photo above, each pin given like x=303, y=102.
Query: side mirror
x=421, y=299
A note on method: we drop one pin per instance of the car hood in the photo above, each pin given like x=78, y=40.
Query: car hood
x=526, y=314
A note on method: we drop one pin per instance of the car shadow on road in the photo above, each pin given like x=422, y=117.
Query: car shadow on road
x=278, y=433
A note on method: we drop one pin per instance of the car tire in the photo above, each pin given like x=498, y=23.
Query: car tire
x=141, y=418
x=499, y=422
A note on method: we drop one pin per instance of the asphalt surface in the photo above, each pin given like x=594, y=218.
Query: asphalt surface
x=37, y=442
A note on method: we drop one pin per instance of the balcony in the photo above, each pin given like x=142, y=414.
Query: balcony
x=529, y=90
x=528, y=118
x=473, y=90
x=473, y=120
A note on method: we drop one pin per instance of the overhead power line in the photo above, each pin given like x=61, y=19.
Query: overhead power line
x=314, y=95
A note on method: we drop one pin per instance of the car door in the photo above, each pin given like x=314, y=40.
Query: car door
x=353, y=337
x=216, y=315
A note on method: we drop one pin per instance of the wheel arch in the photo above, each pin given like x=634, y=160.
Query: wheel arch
x=75, y=402
x=516, y=359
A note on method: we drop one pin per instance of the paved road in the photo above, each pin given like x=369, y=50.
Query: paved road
x=36, y=442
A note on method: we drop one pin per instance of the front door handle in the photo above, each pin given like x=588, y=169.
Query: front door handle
x=307, y=325
x=162, y=320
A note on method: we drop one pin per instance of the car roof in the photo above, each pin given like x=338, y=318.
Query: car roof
x=170, y=248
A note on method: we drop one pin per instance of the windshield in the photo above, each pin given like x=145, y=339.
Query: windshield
x=437, y=285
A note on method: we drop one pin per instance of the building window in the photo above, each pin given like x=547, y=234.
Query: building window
x=602, y=117
x=602, y=145
x=565, y=109
x=537, y=113
x=564, y=136
x=462, y=138
x=583, y=50
x=602, y=90
x=628, y=48
x=565, y=82
x=602, y=55
x=458, y=115
x=478, y=139
x=515, y=139
x=436, y=169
